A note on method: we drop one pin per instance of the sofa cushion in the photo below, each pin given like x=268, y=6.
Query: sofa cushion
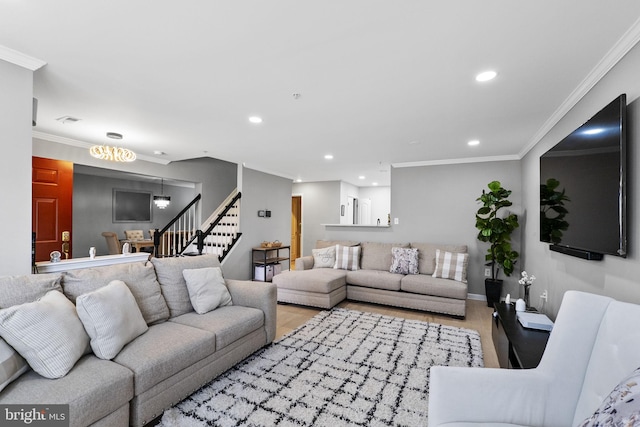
x=16, y=290
x=377, y=256
x=228, y=323
x=111, y=317
x=320, y=244
x=347, y=257
x=404, y=261
x=375, y=279
x=164, y=350
x=451, y=265
x=324, y=258
x=47, y=333
x=207, y=289
x=93, y=389
x=428, y=285
x=12, y=365
x=174, y=287
x=138, y=276
x=320, y=280
x=427, y=255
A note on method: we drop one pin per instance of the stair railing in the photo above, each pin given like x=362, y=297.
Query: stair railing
x=170, y=241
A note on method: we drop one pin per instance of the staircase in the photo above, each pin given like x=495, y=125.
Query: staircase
x=217, y=235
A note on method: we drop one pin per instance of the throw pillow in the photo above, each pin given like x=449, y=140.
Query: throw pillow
x=324, y=258
x=207, y=289
x=347, y=257
x=12, y=365
x=111, y=317
x=451, y=265
x=621, y=407
x=404, y=261
x=47, y=333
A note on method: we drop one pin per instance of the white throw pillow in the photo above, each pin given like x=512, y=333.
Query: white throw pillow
x=47, y=333
x=207, y=289
x=12, y=365
x=347, y=257
x=451, y=265
x=111, y=317
x=324, y=258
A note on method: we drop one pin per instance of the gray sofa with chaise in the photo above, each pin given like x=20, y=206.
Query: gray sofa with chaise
x=326, y=285
x=178, y=352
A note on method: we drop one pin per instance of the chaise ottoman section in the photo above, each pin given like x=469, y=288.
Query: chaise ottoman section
x=318, y=287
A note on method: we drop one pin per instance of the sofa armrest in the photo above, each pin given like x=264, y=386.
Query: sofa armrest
x=256, y=295
x=304, y=263
x=487, y=396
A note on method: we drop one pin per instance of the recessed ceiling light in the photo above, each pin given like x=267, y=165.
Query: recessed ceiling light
x=328, y=156
x=298, y=180
x=473, y=142
x=114, y=135
x=374, y=183
x=361, y=177
x=486, y=76
x=255, y=119
x=159, y=153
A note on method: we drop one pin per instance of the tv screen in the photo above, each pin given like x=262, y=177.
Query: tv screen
x=131, y=205
x=582, y=187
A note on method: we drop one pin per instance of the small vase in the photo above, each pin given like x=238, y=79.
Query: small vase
x=526, y=295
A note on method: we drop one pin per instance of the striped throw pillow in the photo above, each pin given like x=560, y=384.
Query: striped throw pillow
x=451, y=265
x=347, y=257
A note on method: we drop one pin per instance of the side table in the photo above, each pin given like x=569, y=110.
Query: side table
x=517, y=347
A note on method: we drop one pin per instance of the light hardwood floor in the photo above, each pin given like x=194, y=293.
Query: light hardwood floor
x=479, y=317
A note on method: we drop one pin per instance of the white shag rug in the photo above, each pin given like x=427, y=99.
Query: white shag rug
x=341, y=368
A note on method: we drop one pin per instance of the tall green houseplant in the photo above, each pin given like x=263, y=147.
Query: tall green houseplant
x=496, y=231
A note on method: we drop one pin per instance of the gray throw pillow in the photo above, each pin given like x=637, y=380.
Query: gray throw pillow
x=207, y=289
x=47, y=333
x=111, y=317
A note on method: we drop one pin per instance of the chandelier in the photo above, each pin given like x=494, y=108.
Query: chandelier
x=115, y=154
x=162, y=201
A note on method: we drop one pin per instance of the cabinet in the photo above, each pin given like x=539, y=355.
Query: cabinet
x=265, y=260
x=516, y=346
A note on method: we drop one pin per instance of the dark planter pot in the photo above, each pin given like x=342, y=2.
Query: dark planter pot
x=493, y=290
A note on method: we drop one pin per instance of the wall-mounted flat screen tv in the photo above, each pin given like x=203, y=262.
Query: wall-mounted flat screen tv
x=583, y=187
x=132, y=205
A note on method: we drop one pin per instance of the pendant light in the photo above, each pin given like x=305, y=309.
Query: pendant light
x=162, y=201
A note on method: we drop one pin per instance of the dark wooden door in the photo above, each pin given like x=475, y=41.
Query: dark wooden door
x=52, y=206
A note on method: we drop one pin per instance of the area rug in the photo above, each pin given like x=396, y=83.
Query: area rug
x=341, y=368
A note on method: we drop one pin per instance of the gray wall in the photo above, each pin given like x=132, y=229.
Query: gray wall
x=260, y=191
x=16, y=87
x=320, y=205
x=613, y=276
x=92, y=210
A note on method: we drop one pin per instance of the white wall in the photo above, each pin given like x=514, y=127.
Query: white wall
x=613, y=276
x=16, y=89
x=380, y=202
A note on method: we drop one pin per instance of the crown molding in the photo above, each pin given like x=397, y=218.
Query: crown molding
x=628, y=40
x=506, y=158
x=20, y=59
x=86, y=145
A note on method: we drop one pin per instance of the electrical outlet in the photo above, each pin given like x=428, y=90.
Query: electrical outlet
x=396, y=221
x=544, y=295
x=487, y=272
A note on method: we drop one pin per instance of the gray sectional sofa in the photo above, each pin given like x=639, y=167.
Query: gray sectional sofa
x=179, y=352
x=374, y=282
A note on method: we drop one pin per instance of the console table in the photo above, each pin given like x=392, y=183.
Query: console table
x=516, y=346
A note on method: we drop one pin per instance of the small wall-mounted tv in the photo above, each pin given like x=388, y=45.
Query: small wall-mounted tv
x=132, y=205
x=583, y=187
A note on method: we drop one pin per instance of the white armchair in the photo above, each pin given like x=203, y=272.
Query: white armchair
x=595, y=343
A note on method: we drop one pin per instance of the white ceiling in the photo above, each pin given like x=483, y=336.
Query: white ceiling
x=380, y=82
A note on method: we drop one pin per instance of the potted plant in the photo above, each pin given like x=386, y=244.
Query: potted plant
x=497, y=232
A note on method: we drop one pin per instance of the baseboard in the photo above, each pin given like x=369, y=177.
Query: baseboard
x=477, y=297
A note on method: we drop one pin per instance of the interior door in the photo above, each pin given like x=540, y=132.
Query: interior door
x=296, y=229
x=52, y=206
